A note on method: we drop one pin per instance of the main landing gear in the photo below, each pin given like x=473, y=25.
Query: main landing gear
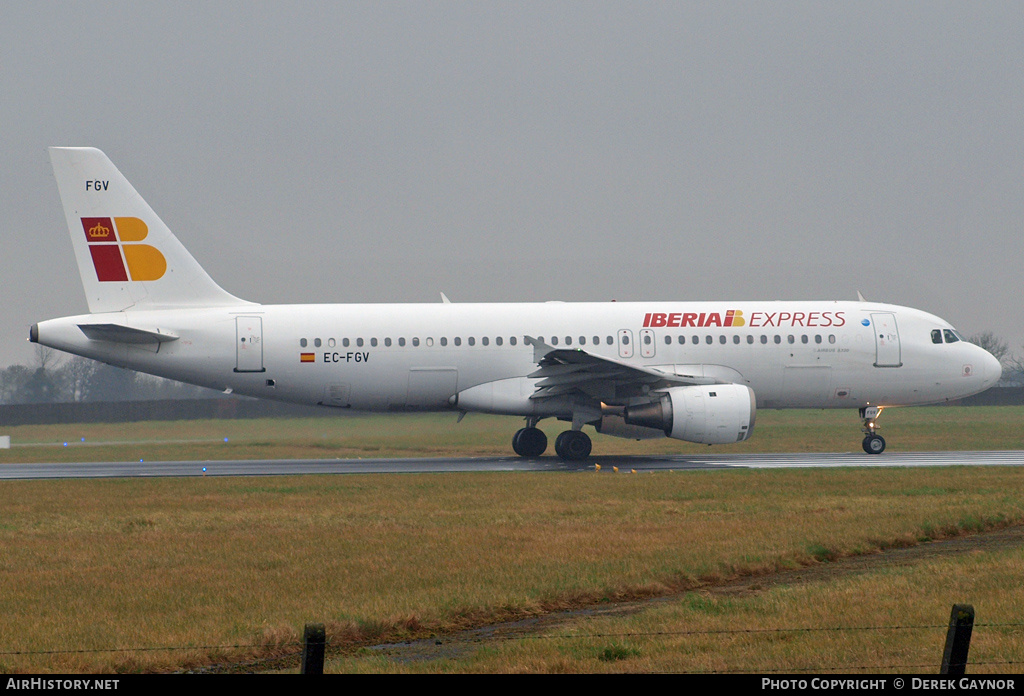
x=530, y=442
x=873, y=442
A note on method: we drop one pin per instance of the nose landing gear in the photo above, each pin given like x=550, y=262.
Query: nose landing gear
x=873, y=442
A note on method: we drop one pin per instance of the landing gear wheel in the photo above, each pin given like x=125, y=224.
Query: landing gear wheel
x=573, y=445
x=874, y=444
x=529, y=442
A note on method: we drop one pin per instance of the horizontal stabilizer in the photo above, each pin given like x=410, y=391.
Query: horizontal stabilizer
x=117, y=333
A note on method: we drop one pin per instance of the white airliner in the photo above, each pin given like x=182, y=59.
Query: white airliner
x=695, y=371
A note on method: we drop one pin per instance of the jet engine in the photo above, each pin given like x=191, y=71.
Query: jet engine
x=713, y=414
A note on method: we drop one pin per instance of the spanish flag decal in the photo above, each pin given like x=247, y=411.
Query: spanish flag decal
x=116, y=254
x=307, y=357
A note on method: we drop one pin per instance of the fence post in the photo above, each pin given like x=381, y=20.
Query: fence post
x=958, y=640
x=313, y=640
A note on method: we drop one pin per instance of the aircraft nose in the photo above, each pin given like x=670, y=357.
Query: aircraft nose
x=991, y=370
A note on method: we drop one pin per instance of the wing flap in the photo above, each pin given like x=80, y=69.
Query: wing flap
x=568, y=371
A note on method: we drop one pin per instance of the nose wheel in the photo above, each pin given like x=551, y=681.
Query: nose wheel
x=873, y=442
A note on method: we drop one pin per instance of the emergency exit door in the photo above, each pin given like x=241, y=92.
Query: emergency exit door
x=249, y=344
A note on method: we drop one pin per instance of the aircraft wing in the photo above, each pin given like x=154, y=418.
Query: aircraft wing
x=574, y=371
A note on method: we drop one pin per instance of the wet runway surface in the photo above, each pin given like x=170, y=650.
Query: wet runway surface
x=278, y=467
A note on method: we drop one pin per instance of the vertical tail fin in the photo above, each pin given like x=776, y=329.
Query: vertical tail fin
x=127, y=256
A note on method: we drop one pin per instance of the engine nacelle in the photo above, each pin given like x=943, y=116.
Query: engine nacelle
x=614, y=425
x=712, y=414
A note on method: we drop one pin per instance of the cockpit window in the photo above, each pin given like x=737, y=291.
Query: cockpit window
x=951, y=336
x=936, y=335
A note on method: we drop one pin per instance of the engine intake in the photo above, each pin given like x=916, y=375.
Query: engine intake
x=713, y=414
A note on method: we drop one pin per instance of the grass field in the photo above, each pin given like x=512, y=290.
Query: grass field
x=416, y=435
x=96, y=573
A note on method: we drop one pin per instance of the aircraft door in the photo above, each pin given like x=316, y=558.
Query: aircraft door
x=647, y=343
x=625, y=343
x=887, y=340
x=249, y=344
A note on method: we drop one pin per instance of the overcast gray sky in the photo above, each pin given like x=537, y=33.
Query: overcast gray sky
x=387, y=151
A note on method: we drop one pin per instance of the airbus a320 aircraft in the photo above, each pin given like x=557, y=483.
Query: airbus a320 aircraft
x=695, y=371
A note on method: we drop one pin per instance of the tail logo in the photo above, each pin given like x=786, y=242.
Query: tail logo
x=116, y=253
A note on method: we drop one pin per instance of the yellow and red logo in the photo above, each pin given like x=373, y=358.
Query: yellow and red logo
x=733, y=317
x=116, y=253
x=307, y=357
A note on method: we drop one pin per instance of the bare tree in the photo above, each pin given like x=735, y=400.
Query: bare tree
x=1013, y=369
x=992, y=343
x=47, y=357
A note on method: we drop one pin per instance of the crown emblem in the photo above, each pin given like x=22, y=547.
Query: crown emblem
x=98, y=231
